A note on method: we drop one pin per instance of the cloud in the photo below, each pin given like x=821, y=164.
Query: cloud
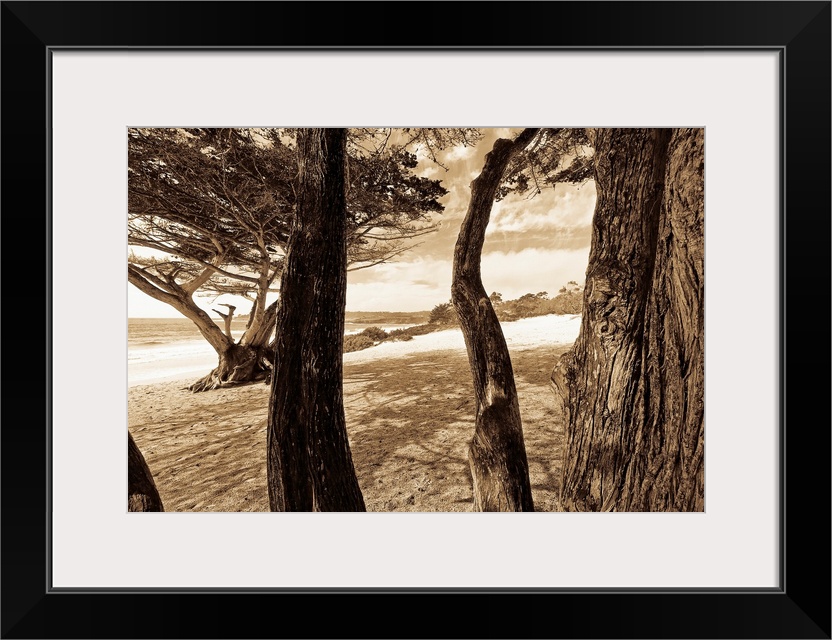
x=552, y=239
x=531, y=245
x=421, y=284
x=557, y=218
x=532, y=270
x=565, y=207
x=456, y=154
x=431, y=171
x=393, y=297
x=417, y=285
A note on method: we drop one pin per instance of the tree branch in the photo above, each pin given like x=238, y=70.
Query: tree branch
x=216, y=269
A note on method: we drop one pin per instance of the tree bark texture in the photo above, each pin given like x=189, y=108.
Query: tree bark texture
x=261, y=333
x=633, y=384
x=497, y=454
x=666, y=472
x=141, y=490
x=184, y=304
x=310, y=466
x=238, y=364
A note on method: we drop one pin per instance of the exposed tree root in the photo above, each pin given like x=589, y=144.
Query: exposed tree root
x=239, y=366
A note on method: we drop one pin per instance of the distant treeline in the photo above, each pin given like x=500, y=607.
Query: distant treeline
x=375, y=335
x=569, y=300
x=386, y=317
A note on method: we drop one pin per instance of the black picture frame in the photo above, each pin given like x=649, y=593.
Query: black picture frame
x=799, y=608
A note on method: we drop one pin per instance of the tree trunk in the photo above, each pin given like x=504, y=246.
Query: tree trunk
x=666, y=472
x=141, y=490
x=246, y=362
x=497, y=454
x=184, y=304
x=258, y=308
x=227, y=319
x=260, y=334
x=632, y=385
x=309, y=464
x=238, y=365
x=606, y=361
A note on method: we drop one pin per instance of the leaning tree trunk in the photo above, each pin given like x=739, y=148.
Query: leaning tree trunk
x=309, y=464
x=603, y=369
x=248, y=361
x=261, y=337
x=237, y=364
x=141, y=490
x=632, y=385
x=497, y=454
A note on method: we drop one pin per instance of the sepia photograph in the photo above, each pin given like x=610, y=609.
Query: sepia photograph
x=403, y=279
x=415, y=319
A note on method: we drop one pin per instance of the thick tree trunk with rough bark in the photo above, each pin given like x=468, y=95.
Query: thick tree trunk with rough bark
x=141, y=490
x=629, y=180
x=632, y=385
x=309, y=463
x=497, y=454
x=666, y=470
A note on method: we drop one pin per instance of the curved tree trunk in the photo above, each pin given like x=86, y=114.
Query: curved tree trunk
x=258, y=307
x=262, y=338
x=309, y=463
x=497, y=455
x=632, y=385
x=141, y=490
x=237, y=364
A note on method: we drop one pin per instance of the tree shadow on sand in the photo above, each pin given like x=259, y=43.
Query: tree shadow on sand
x=411, y=419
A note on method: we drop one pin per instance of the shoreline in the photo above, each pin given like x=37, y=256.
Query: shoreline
x=528, y=332
x=410, y=420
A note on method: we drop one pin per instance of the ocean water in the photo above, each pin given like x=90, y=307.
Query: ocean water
x=162, y=349
x=148, y=332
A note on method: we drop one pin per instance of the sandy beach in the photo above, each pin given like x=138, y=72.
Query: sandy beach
x=410, y=416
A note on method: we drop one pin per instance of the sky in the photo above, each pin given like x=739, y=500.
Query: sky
x=531, y=245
